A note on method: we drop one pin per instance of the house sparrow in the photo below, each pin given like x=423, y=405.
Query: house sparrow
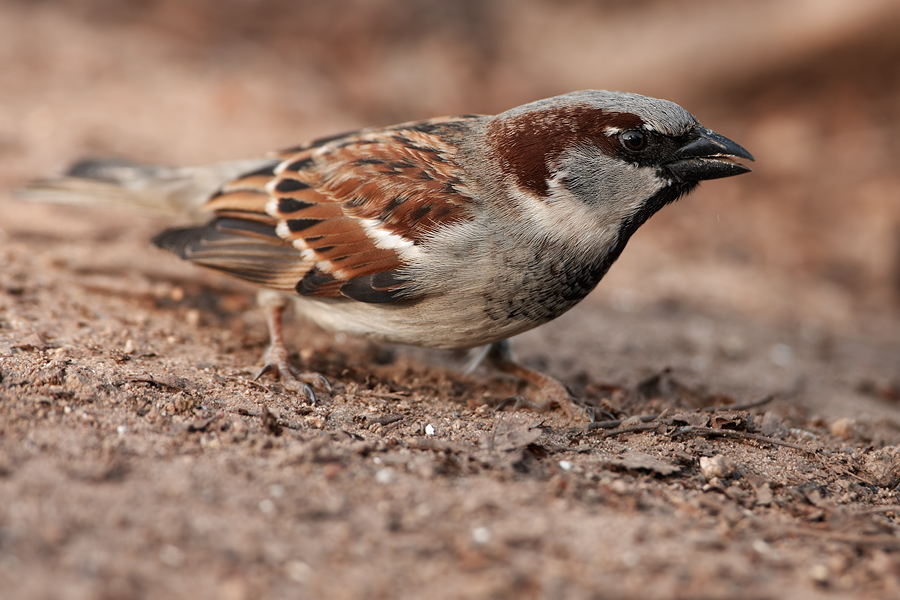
x=452, y=232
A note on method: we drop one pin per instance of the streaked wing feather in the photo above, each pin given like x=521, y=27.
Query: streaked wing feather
x=336, y=218
x=359, y=204
x=247, y=249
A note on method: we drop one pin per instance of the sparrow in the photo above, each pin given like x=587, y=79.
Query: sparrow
x=453, y=232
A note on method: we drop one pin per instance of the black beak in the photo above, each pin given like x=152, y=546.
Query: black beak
x=708, y=156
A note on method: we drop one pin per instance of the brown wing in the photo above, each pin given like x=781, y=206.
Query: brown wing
x=352, y=209
x=241, y=239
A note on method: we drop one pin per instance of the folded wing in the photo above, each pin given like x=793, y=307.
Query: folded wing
x=338, y=218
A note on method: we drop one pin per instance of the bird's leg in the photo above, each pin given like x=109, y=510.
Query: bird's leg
x=276, y=359
x=551, y=390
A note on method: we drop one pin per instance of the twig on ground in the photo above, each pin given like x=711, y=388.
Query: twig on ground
x=745, y=406
x=649, y=418
x=879, y=509
x=842, y=472
x=882, y=540
x=708, y=432
x=632, y=429
x=616, y=422
x=737, y=435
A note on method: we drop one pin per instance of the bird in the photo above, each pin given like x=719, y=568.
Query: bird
x=452, y=233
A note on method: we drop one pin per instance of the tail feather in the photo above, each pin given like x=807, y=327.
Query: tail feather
x=150, y=189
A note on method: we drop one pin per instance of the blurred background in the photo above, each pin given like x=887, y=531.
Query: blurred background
x=810, y=87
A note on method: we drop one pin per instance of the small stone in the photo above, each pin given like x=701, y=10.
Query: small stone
x=192, y=317
x=298, y=571
x=481, y=535
x=716, y=466
x=842, y=428
x=171, y=556
x=619, y=486
x=781, y=355
x=239, y=430
x=384, y=476
x=315, y=421
x=266, y=506
x=819, y=574
x=764, y=495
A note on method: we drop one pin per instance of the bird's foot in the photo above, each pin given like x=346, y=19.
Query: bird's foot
x=276, y=362
x=551, y=391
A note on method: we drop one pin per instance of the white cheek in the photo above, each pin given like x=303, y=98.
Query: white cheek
x=622, y=195
x=593, y=214
x=564, y=215
x=611, y=188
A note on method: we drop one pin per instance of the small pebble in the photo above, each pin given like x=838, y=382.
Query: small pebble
x=192, y=317
x=781, y=355
x=481, y=535
x=298, y=571
x=842, y=428
x=819, y=574
x=171, y=556
x=715, y=466
x=764, y=496
x=384, y=476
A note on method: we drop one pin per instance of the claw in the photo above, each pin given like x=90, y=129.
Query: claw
x=511, y=401
x=323, y=381
x=267, y=368
x=281, y=371
x=277, y=360
x=309, y=393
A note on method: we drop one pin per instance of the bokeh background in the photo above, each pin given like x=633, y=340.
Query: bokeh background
x=811, y=87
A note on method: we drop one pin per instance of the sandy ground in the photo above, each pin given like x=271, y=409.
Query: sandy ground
x=138, y=458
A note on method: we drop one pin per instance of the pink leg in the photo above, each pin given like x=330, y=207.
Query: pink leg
x=277, y=358
x=551, y=390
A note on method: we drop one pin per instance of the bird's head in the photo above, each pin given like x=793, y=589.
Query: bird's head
x=615, y=156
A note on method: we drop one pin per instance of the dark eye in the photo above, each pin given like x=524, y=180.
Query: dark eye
x=633, y=140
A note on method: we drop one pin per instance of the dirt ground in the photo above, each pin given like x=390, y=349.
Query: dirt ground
x=139, y=458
